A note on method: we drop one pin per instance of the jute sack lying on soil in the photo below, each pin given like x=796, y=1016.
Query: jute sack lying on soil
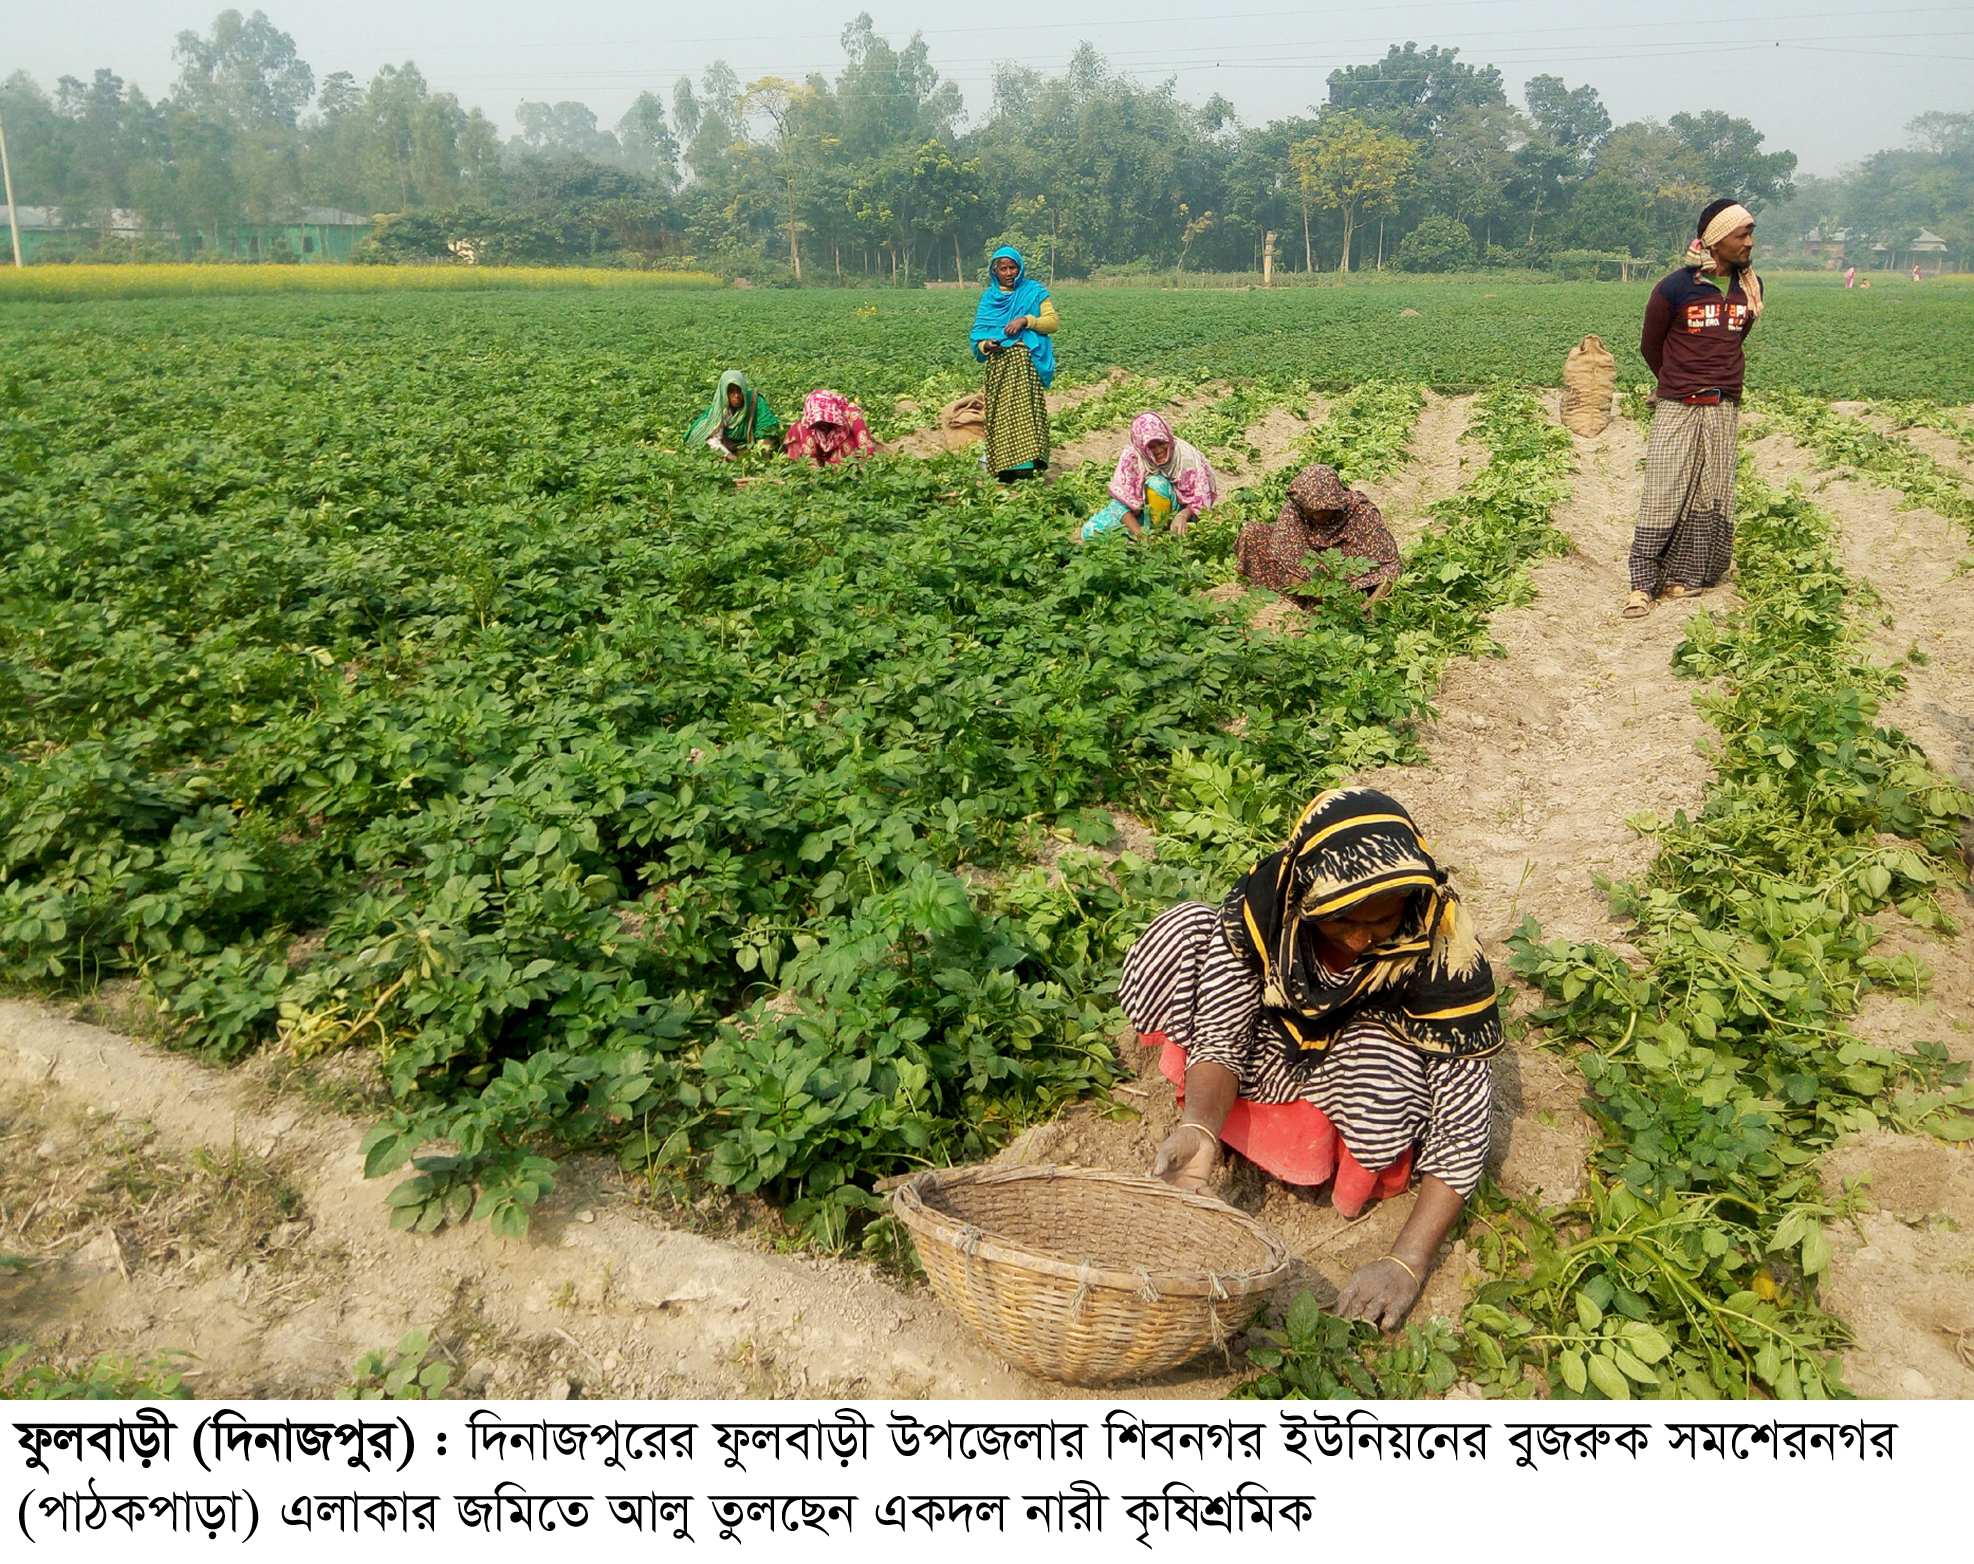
x=1590, y=375
x=964, y=420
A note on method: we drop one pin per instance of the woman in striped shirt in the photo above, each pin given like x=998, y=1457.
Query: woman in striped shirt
x=1332, y=1018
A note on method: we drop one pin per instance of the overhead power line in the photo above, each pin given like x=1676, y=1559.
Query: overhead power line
x=1151, y=62
x=1297, y=13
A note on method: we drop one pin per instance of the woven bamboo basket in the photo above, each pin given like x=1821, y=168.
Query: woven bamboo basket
x=1084, y=1276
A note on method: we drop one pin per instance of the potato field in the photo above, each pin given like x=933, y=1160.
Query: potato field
x=386, y=693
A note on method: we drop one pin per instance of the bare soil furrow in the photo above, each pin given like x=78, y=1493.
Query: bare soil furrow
x=1943, y=448
x=1439, y=464
x=1539, y=758
x=1541, y=755
x=1102, y=445
x=1904, y=1278
x=1275, y=438
x=603, y=1298
x=1061, y=401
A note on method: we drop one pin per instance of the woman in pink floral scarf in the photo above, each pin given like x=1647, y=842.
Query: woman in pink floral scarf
x=831, y=427
x=1159, y=478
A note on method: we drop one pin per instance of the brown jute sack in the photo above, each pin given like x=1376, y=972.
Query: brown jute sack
x=963, y=420
x=1590, y=375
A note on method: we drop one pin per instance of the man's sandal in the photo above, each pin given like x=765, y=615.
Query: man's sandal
x=1637, y=605
x=1675, y=591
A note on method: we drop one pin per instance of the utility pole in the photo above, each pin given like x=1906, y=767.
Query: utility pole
x=13, y=220
x=1268, y=260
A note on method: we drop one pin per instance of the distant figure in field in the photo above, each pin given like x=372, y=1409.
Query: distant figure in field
x=1319, y=514
x=831, y=427
x=1011, y=329
x=736, y=418
x=1915, y=273
x=1695, y=327
x=1160, y=481
x=1850, y=276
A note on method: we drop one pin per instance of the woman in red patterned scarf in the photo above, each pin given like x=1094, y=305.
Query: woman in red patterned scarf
x=1320, y=514
x=831, y=427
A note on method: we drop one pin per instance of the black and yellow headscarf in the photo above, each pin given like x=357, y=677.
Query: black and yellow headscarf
x=1429, y=983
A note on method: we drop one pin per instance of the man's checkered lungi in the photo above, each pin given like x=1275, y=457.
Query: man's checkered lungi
x=1686, y=516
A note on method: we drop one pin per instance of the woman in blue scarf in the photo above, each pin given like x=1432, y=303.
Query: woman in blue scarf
x=1011, y=329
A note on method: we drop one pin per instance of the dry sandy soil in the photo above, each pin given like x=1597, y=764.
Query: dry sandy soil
x=1102, y=445
x=1943, y=448
x=1438, y=466
x=224, y=1213
x=1904, y=1276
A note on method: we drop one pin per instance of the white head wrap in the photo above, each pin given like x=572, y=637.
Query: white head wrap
x=1700, y=251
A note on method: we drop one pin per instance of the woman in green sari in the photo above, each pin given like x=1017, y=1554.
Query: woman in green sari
x=1011, y=329
x=735, y=419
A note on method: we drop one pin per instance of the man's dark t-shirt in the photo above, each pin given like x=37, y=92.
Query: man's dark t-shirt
x=1693, y=335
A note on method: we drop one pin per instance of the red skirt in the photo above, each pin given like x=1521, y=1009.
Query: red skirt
x=1295, y=1141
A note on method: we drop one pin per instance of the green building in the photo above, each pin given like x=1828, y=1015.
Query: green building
x=319, y=233
x=316, y=233
x=42, y=227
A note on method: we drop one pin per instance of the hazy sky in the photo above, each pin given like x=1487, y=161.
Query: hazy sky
x=1829, y=81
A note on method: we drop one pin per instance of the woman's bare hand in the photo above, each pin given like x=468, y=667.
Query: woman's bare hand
x=1382, y=1292
x=1015, y=327
x=1187, y=1158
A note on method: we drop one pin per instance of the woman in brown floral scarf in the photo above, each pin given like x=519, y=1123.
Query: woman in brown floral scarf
x=1320, y=514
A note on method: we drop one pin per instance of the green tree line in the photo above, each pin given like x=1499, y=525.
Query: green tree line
x=1419, y=160
x=1876, y=213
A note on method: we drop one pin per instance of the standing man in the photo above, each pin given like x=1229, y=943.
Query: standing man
x=1695, y=326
